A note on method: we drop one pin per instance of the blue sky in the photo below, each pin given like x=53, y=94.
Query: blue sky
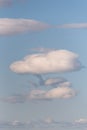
x=47, y=90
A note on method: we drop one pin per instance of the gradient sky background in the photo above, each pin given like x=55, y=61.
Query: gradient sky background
x=15, y=47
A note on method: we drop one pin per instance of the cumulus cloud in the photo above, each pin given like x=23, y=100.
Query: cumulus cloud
x=57, y=61
x=73, y=25
x=16, y=26
x=63, y=91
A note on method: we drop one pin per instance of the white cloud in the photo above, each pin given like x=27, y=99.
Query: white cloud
x=16, y=26
x=43, y=123
x=41, y=50
x=51, y=82
x=17, y=123
x=57, y=61
x=12, y=124
x=48, y=120
x=20, y=98
x=73, y=25
x=54, y=81
x=81, y=121
x=63, y=91
x=9, y=26
x=7, y=3
x=28, y=124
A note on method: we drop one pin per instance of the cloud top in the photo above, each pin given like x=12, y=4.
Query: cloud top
x=57, y=61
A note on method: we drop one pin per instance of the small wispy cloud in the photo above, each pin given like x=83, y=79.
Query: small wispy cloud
x=42, y=123
x=13, y=124
x=51, y=82
x=81, y=121
x=5, y=3
x=54, y=81
x=41, y=50
x=16, y=26
x=73, y=26
x=8, y=3
x=10, y=26
x=17, y=98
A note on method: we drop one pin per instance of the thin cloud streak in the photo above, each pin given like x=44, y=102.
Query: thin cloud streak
x=14, y=26
x=73, y=26
x=17, y=26
x=5, y=3
x=8, y=3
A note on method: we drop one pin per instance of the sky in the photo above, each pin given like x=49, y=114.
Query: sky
x=43, y=66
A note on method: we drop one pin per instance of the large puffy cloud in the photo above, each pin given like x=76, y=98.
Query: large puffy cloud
x=56, y=61
x=16, y=26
